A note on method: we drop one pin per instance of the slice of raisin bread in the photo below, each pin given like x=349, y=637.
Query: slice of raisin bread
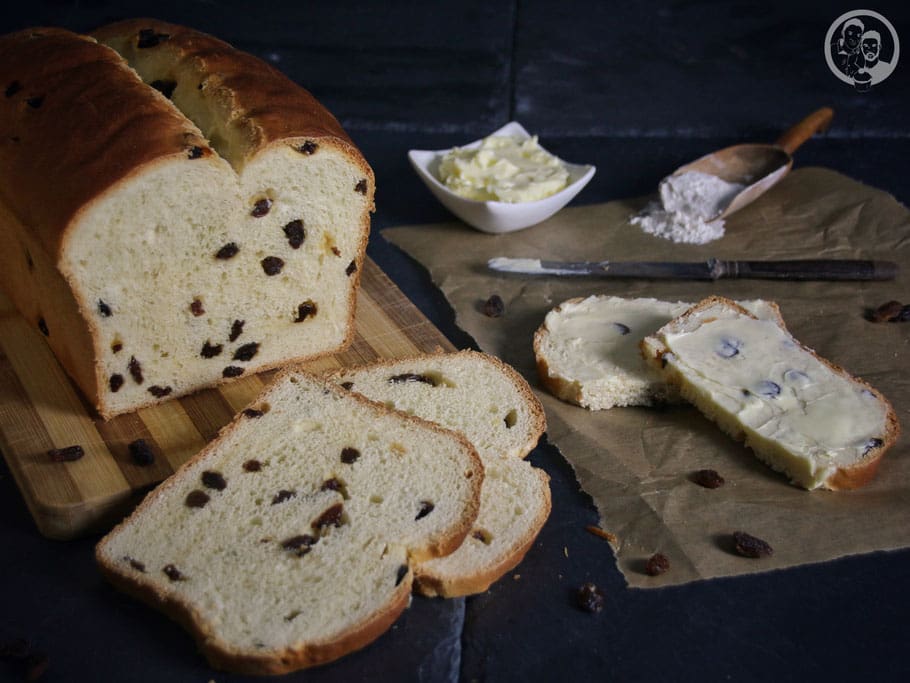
x=207, y=222
x=290, y=539
x=587, y=350
x=492, y=405
x=799, y=413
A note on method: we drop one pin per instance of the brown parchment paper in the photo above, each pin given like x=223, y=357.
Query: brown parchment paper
x=636, y=462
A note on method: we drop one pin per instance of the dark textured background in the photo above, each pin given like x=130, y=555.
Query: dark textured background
x=637, y=89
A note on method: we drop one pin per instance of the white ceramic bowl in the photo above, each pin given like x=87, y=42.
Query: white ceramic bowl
x=497, y=217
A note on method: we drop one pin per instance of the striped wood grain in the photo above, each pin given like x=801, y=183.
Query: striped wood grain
x=40, y=409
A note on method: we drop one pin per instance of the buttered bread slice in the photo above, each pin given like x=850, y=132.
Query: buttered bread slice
x=290, y=540
x=492, y=405
x=799, y=413
x=587, y=349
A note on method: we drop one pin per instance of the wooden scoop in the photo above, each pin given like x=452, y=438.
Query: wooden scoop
x=758, y=167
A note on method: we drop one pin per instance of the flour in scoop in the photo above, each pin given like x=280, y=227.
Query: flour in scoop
x=686, y=200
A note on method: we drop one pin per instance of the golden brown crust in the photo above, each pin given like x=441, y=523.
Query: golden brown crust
x=844, y=478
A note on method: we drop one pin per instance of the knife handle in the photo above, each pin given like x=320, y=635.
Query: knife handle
x=807, y=269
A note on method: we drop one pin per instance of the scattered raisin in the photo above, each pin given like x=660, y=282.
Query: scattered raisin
x=891, y=311
x=173, y=573
x=768, y=389
x=361, y=186
x=295, y=233
x=305, y=310
x=197, y=499
x=13, y=88
x=494, y=306
x=229, y=250
x=349, y=455
x=401, y=573
x=347, y=385
x=750, y=546
x=246, y=352
x=336, y=251
x=727, y=348
x=622, y=328
x=272, y=265
x=141, y=452
x=871, y=444
x=236, y=329
x=196, y=152
x=35, y=102
x=116, y=382
x=214, y=480
x=135, y=370
x=308, y=147
x=261, y=207
x=351, y=269
x=166, y=88
x=66, y=454
x=252, y=466
x=407, y=377
x=426, y=507
x=301, y=544
x=160, y=392
x=104, y=309
x=149, y=38
x=196, y=308
x=590, y=598
x=282, y=496
x=117, y=347
x=42, y=325
x=709, y=479
x=657, y=564
x=210, y=350
x=253, y=412
x=135, y=564
x=232, y=371
x=331, y=517
x=332, y=484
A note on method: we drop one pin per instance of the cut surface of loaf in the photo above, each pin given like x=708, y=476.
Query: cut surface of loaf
x=290, y=539
x=799, y=413
x=492, y=405
x=587, y=349
x=183, y=245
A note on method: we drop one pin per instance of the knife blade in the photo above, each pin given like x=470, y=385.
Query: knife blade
x=711, y=269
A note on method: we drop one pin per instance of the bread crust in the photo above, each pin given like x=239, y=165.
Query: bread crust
x=845, y=477
x=219, y=653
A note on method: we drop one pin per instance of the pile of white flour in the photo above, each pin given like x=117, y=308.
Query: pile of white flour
x=686, y=200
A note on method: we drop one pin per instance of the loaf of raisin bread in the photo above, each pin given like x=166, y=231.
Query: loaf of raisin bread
x=587, y=349
x=799, y=413
x=493, y=406
x=207, y=220
x=290, y=540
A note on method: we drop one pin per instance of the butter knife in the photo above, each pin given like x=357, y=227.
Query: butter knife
x=712, y=269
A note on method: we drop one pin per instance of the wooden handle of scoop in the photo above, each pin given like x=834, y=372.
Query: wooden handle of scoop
x=816, y=122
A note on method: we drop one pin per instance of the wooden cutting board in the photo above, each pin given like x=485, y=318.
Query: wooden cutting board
x=41, y=409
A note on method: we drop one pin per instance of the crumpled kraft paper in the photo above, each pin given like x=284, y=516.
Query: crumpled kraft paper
x=636, y=463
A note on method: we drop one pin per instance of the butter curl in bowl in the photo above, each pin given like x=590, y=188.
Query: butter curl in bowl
x=501, y=183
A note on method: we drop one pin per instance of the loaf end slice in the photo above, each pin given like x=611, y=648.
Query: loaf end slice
x=799, y=413
x=492, y=405
x=291, y=539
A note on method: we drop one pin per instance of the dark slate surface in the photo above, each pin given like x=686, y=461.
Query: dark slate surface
x=637, y=89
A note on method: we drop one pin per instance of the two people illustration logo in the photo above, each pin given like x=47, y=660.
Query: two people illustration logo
x=862, y=48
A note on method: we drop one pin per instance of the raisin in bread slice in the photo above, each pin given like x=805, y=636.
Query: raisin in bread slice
x=587, y=350
x=207, y=222
x=799, y=413
x=493, y=406
x=290, y=539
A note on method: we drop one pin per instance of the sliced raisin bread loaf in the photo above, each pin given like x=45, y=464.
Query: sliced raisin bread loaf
x=587, y=350
x=492, y=405
x=799, y=413
x=290, y=539
x=181, y=245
